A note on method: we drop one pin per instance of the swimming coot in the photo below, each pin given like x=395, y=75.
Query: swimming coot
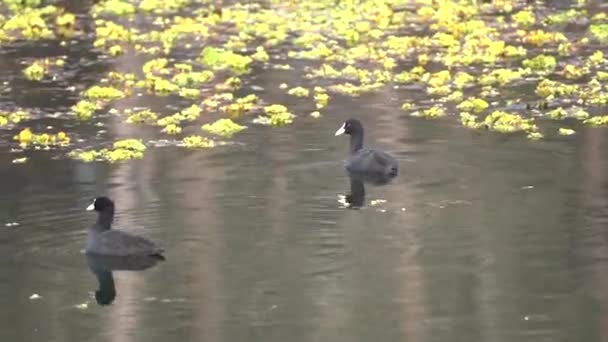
x=366, y=162
x=102, y=240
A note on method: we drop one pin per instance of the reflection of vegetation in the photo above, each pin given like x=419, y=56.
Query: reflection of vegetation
x=461, y=58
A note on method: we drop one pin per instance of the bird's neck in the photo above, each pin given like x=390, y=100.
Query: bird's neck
x=104, y=220
x=356, y=142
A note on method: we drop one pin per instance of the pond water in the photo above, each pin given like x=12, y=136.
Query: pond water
x=481, y=237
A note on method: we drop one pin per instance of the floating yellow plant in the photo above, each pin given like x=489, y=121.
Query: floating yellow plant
x=223, y=127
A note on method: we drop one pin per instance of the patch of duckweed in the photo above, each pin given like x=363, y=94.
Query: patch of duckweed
x=35, y=72
x=223, y=127
x=188, y=114
x=469, y=120
x=121, y=150
x=599, y=31
x=321, y=97
x=27, y=138
x=29, y=24
x=142, y=116
x=504, y=122
x=84, y=109
x=541, y=64
x=566, y=131
x=13, y=118
x=172, y=129
x=474, y=105
x=276, y=115
x=192, y=79
x=430, y=113
x=299, y=92
x=218, y=59
x=103, y=93
x=597, y=121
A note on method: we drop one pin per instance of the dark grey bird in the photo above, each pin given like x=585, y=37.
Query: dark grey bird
x=366, y=163
x=103, y=240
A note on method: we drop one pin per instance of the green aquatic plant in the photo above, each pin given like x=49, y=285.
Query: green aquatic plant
x=121, y=150
x=469, y=120
x=321, y=97
x=172, y=129
x=103, y=93
x=566, y=131
x=84, y=109
x=29, y=24
x=299, y=92
x=475, y=105
x=36, y=71
x=430, y=113
x=504, y=122
x=548, y=88
x=27, y=138
x=223, y=127
x=557, y=113
x=565, y=16
x=599, y=31
x=597, y=121
x=217, y=59
x=535, y=135
x=524, y=18
x=541, y=64
x=13, y=118
x=240, y=106
x=192, y=79
x=276, y=115
x=142, y=116
x=542, y=38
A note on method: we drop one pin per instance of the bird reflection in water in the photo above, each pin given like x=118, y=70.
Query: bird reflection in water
x=355, y=199
x=103, y=266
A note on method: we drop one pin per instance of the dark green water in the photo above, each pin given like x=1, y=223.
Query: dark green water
x=501, y=239
x=482, y=237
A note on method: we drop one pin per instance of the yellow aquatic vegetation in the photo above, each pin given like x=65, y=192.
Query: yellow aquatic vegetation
x=172, y=129
x=84, y=109
x=27, y=138
x=566, y=131
x=430, y=113
x=276, y=115
x=299, y=92
x=121, y=150
x=239, y=106
x=13, y=118
x=29, y=24
x=504, y=122
x=103, y=93
x=475, y=105
x=223, y=127
x=142, y=116
x=601, y=120
x=36, y=71
x=217, y=59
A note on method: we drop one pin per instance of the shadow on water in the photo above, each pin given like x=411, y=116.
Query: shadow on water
x=103, y=266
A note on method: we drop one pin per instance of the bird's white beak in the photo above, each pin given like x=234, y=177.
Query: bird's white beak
x=340, y=130
x=91, y=206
